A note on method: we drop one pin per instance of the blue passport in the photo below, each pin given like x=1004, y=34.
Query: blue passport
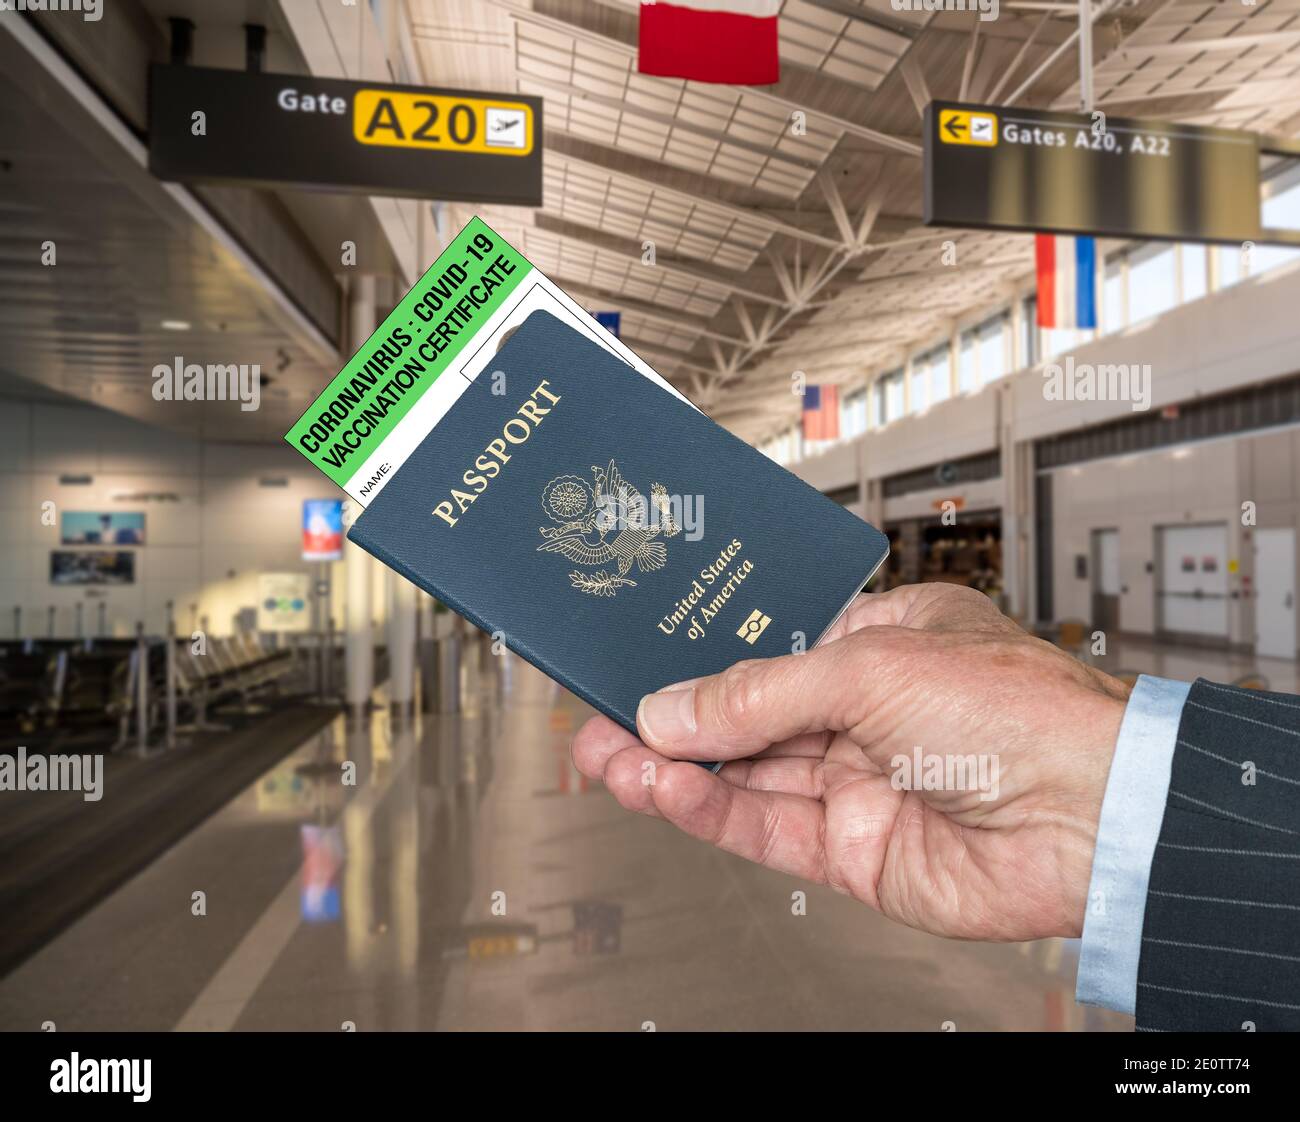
x=613, y=535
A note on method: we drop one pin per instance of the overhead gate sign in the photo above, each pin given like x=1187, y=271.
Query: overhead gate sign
x=370, y=137
x=994, y=167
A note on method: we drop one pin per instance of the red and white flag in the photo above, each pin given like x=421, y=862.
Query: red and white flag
x=732, y=41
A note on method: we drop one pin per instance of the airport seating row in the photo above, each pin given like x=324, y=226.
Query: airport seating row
x=52, y=689
x=238, y=668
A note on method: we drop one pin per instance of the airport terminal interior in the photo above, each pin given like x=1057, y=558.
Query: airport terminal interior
x=178, y=600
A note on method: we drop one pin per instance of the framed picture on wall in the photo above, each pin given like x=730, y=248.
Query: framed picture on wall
x=92, y=527
x=92, y=566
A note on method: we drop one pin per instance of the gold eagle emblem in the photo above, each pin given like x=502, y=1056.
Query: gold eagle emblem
x=606, y=520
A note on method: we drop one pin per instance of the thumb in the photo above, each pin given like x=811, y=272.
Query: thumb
x=759, y=702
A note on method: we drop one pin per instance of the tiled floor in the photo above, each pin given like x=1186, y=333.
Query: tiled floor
x=470, y=879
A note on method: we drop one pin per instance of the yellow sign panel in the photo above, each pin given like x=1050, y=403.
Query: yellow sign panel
x=446, y=124
x=492, y=946
x=961, y=126
x=501, y=946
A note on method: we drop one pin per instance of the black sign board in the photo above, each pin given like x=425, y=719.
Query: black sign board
x=1001, y=168
x=369, y=137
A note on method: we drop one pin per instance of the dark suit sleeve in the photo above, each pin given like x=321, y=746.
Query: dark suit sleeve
x=1221, y=933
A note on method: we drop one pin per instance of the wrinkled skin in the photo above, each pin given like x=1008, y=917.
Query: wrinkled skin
x=810, y=737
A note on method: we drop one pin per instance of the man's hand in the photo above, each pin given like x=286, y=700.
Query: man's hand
x=811, y=738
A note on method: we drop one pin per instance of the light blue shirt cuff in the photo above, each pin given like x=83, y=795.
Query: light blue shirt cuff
x=1131, y=813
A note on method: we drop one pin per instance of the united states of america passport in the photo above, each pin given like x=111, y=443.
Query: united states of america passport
x=613, y=535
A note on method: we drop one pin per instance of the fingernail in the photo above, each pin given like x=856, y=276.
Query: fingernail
x=666, y=717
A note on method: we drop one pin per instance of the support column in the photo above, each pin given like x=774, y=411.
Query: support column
x=359, y=640
x=1085, y=55
x=1018, y=356
x=401, y=644
x=1012, y=545
x=359, y=643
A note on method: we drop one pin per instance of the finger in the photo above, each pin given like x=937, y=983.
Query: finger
x=925, y=607
x=761, y=702
x=812, y=744
x=596, y=742
x=807, y=744
x=785, y=775
x=780, y=831
x=606, y=751
x=874, y=609
x=631, y=774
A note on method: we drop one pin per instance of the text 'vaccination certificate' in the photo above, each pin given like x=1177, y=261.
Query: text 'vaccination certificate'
x=439, y=338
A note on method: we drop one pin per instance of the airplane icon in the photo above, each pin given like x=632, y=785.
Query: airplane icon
x=961, y=126
x=506, y=128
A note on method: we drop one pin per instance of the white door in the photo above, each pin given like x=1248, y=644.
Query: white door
x=1275, y=593
x=1105, y=579
x=1108, y=562
x=1194, y=579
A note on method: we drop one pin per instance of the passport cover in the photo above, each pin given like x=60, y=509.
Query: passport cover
x=613, y=535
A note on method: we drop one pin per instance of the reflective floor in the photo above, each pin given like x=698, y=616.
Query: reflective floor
x=470, y=879
x=1186, y=664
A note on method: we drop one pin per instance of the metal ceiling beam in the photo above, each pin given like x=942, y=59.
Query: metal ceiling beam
x=637, y=216
x=1010, y=71
x=800, y=297
x=916, y=84
x=1119, y=96
x=1065, y=44
x=642, y=346
x=655, y=313
x=676, y=267
x=848, y=10
x=865, y=132
x=943, y=271
x=856, y=345
x=968, y=67
x=731, y=358
x=746, y=324
x=1186, y=48
x=783, y=277
x=724, y=363
x=775, y=384
x=739, y=213
x=627, y=107
x=838, y=210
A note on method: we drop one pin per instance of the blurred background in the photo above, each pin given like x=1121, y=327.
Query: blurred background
x=176, y=595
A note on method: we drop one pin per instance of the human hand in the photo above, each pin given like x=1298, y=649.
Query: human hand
x=813, y=742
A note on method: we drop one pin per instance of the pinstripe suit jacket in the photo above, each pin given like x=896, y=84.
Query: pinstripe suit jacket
x=1221, y=934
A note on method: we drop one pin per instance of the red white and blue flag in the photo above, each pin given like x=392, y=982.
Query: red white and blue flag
x=732, y=41
x=821, y=413
x=1067, y=280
